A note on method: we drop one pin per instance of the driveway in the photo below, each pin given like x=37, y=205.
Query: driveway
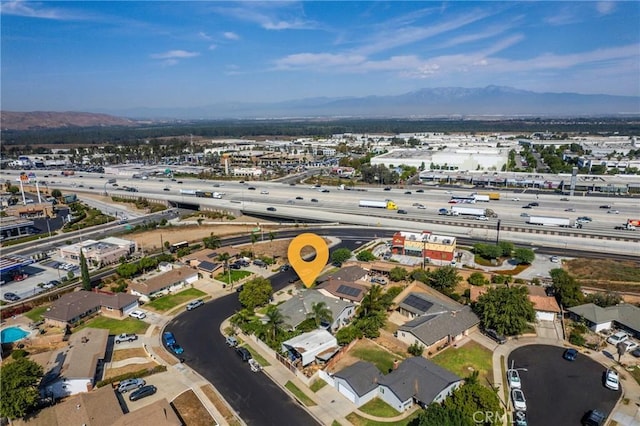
x=560, y=392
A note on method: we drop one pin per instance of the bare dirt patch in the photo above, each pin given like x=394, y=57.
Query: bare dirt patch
x=131, y=368
x=120, y=354
x=164, y=355
x=191, y=409
x=604, y=269
x=220, y=405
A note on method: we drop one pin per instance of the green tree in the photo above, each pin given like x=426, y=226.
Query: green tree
x=445, y=279
x=416, y=349
x=127, y=270
x=274, y=323
x=211, y=242
x=347, y=334
x=320, y=313
x=603, y=299
x=566, y=288
x=398, y=274
x=487, y=251
x=56, y=193
x=365, y=256
x=84, y=272
x=506, y=247
x=341, y=255
x=255, y=292
x=477, y=279
x=524, y=256
x=19, y=387
x=505, y=309
x=472, y=397
x=146, y=264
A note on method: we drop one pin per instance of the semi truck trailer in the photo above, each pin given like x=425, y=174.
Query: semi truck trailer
x=188, y=191
x=470, y=211
x=491, y=195
x=482, y=198
x=386, y=204
x=552, y=221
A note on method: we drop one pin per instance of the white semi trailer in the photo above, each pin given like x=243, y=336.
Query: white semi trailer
x=551, y=221
x=469, y=211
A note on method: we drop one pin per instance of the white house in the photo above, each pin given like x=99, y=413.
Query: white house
x=162, y=284
x=307, y=346
x=75, y=372
x=623, y=316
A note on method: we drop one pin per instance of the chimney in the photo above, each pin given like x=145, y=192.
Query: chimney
x=396, y=363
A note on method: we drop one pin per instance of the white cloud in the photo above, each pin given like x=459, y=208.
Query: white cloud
x=231, y=35
x=605, y=7
x=318, y=60
x=205, y=36
x=36, y=10
x=174, y=55
x=213, y=47
x=273, y=16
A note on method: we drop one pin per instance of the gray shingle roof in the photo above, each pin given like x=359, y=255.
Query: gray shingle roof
x=71, y=305
x=419, y=378
x=362, y=376
x=624, y=314
x=296, y=309
x=431, y=328
x=208, y=266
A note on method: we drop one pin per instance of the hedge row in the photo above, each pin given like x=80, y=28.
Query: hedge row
x=133, y=375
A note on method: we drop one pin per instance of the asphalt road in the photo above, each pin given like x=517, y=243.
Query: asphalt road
x=560, y=392
x=252, y=395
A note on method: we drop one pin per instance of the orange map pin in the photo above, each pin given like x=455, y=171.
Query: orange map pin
x=308, y=271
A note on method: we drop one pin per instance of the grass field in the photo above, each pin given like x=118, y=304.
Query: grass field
x=35, y=314
x=379, y=408
x=263, y=362
x=116, y=326
x=466, y=359
x=236, y=275
x=379, y=357
x=165, y=303
x=604, y=269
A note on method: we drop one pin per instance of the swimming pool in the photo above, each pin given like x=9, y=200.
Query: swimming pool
x=12, y=334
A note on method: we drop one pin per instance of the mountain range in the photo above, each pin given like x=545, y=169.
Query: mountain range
x=444, y=102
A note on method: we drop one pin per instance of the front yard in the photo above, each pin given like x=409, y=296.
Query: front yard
x=170, y=301
x=116, y=326
x=232, y=276
x=466, y=359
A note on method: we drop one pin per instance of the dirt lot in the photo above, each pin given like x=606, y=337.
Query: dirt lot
x=191, y=409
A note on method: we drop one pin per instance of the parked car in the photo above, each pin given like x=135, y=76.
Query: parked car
x=520, y=418
x=519, y=402
x=611, y=380
x=128, y=384
x=244, y=354
x=513, y=377
x=124, y=337
x=618, y=337
x=169, y=338
x=554, y=259
x=495, y=336
x=231, y=341
x=255, y=365
x=570, y=354
x=176, y=348
x=285, y=268
x=142, y=392
x=239, y=288
x=636, y=352
x=11, y=297
x=594, y=418
x=138, y=314
x=630, y=345
x=195, y=304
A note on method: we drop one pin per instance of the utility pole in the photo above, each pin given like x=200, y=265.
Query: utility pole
x=498, y=232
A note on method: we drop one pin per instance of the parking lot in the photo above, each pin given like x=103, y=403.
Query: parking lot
x=557, y=391
x=39, y=273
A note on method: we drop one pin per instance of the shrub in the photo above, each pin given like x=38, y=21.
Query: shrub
x=133, y=375
x=19, y=353
x=576, y=338
x=416, y=349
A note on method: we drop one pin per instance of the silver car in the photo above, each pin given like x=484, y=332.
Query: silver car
x=127, y=385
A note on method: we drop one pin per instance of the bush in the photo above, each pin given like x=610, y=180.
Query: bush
x=576, y=338
x=19, y=353
x=348, y=334
x=416, y=349
x=477, y=279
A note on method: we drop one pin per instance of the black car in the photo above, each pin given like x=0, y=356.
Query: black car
x=402, y=211
x=244, y=354
x=420, y=191
x=239, y=288
x=313, y=200
x=388, y=188
x=636, y=352
x=491, y=333
x=144, y=391
x=271, y=209
x=251, y=188
x=299, y=198
x=594, y=418
x=570, y=354
x=407, y=192
x=534, y=204
x=325, y=190
x=605, y=206
x=11, y=297
x=527, y=207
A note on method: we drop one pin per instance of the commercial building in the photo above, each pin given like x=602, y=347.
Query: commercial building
x=103, y=252
x=426, y=245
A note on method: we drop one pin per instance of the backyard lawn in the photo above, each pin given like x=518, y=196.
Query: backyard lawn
x=374, y=354
x=169, y=301
x=35, y=314
x=116, y=326
x=379, y=408
x=466, y=359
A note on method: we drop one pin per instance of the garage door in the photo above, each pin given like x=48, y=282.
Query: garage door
x=545, y=316
x=348, y=393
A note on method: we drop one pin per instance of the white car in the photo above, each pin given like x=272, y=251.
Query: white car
x=138, y=314
x=514, y=379
x=630, y=345
x=482, y=218
x=264, y=192
x=515, y=199
x=519, y=402
x=611, y=380
x=554, y=259
x=618, y=337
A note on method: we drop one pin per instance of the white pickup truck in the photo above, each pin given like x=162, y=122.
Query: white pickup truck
x=125, y=338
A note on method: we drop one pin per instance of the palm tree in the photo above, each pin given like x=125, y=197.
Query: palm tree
x=224, y=257
x=320, y=312
x=371, y=302
x=274, y=322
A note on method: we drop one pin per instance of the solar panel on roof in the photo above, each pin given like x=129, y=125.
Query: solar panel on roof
x=349, y=291
x=417, y=303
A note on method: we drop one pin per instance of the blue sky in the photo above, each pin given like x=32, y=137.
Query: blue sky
x=96, y=55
